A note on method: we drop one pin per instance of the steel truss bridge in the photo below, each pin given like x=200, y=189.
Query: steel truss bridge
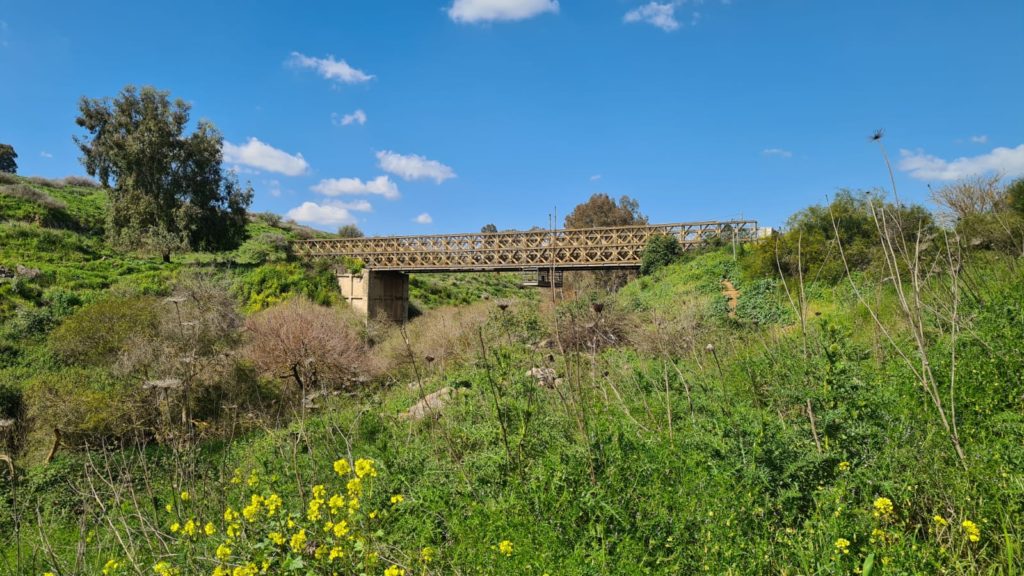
x=568, y=249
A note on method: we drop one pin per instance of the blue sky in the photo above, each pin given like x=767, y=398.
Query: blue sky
x=467, y=112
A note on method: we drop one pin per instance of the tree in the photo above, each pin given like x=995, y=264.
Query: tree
x=350, y=231
x=7, y=159
x=164, y=184
x=488, y=229
x=661, y=250
x=970, y=196
x=1015, y=195
x=600, y=211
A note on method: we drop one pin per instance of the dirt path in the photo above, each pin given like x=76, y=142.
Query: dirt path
x=732, y=294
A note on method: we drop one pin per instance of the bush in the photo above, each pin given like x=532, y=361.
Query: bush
x=661, y=250
x=313, y=347
x=86, y=405
x=267, y=247
x=96, y=333
x=80, y=182
x=273, y=283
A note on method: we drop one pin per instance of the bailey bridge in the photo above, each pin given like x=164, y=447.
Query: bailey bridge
x=383, y=285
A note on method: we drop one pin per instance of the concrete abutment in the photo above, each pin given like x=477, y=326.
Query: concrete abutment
x=377, y=293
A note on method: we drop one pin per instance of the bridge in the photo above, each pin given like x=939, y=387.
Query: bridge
x=383, y=285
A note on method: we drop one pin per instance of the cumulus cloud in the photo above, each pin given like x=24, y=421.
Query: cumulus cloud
x=1006, y=161
x=357, y=117
x=259, y=155
x=777, y=152
x=469, y=11
x=424, y=219
x=380, y=186
x=329, y=213
x=413, y=167
x=656, y=14
x=330, y=68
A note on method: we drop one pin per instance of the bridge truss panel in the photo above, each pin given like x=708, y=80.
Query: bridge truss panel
x=580, y=249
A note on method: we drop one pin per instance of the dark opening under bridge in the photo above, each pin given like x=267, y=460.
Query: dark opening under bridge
x=383, y=286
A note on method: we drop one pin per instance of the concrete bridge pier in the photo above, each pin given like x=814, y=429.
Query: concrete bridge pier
x=377, y=293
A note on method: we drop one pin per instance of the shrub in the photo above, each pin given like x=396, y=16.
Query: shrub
x=6, y=178
x=273, y=283
x=96, y=333
x=80, y=182
x=661, y=250
x=48, y=182
x=86, y=405
x=313, y=347
x=267, y=247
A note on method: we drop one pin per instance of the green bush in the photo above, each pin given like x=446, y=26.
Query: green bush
x=661, y=250
x=265, y=248
x=87, y=405
x=97, y=332
x=270, y=284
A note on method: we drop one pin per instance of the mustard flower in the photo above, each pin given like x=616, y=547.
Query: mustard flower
x=883, y=509
x=185, y=496
x=336, y=552
x=505, y=547
x=209, y=529
x=340, y=529
x=939, y=521
x=394, y=571
x=111, y=566
x=276, y=538
x=273, y=504
x=342, y=467
x=223, y=552
x=298, y=541
x=397, y=499
x=364, y=467
x=842, y=546
x=971, y=530
x=426, y=555
x=189, y=529
x=844, y=466
x=175, y=527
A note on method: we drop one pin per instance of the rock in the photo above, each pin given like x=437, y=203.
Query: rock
x=429, y=405
x=26, y=272
x=545, y=377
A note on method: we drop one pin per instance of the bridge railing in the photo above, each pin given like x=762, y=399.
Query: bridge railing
x=583, y=248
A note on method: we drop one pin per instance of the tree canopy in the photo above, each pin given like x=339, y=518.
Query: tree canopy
x=7, y=159
x=167, y=187
x=600, y=210
x=350, y=231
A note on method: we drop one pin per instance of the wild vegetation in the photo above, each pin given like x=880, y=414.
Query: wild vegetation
x=854, y=405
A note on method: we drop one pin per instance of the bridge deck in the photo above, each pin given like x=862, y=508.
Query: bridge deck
x=577, y=249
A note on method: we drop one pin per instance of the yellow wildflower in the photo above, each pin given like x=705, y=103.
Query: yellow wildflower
x=273, y=503
x=342, y=467
x=223, y=552
x=175, y=527
x=336, y=503
x=394, y=571
x=276, y=538
x=397, y=499
x=971, y=530
x=313, y=513
x=319, y=491
x=230, y=515
x=209, y=529
x=189, y=529
x=353, y=505
x=165, y=569
x=842, y=546
x=169, y=507
x=372, y=514
x=221, y=571
x=364, y=467
x=883, y=509
x=249, y=569
x=354, y=487
x=298, y=541
x=336, y=552
x=426, y=555
x=184, y=496
x=340, y=529
x=505, y=547
x=320, y=552
x=844, y=466
x=254, y=480
x=236, y=477
x=111, y=566
x=49, y=574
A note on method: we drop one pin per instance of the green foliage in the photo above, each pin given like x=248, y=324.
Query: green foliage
x=661, y=250
x=809, y=246
x=270, y=284
x=428, y=291
x=265, y=248
x=760, y=302
x=350, y=231
x=166, y=185
x=600, y=211
x=85, y=404
x=97, y=332
x=1015, y=195
x=8, y=159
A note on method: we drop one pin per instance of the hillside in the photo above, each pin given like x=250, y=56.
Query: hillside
x=657, y=430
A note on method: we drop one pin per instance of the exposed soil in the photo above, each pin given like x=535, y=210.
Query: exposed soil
x=732, y=294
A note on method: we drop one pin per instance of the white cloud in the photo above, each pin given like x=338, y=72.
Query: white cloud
x=470, y=11
x=262, y=156
x=381, y=186
x=595, y=177
x=357, y=117
x=413, y=167
x=982, y=139
x=330, y=68
x=274, y=188
x=656, y=14
x=329, y=213
x=777, y=152
x=46, y=154
x=424, y=219
x=1006, y=161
